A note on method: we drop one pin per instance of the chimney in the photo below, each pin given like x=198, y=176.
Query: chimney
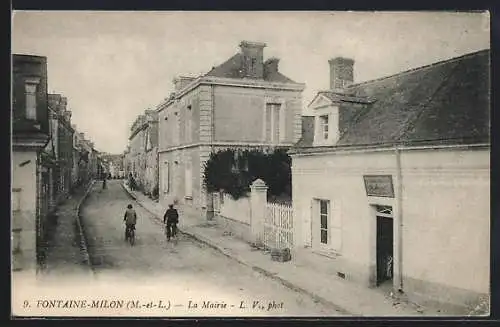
x=271, y=66
x=253, y=59
x=67, y=116
x=341, y=73
x=62, y=104
x=54, y=100
x=181, y=82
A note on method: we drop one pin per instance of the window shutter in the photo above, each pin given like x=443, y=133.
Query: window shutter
x=282, y=117
x=336, y=226
x=189, y=180
x=30, y=90
x=166, y=177
x=317, y=129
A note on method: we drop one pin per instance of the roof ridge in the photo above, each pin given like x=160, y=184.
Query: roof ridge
x=437, y=63
x=219, y=65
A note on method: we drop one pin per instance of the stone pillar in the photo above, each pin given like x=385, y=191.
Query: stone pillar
x=258, y=201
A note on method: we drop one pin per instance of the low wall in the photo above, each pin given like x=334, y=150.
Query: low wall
x=234, y=215
x=237, y=210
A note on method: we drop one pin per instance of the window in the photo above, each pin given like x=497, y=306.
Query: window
x=148, y=140
x=324, y=127
x=323, y=213
x=175, y=128
x=30, y=92
x=166, y=178
x=274, y=129
x=383, y=210
x=188, y=131
x=188, y=179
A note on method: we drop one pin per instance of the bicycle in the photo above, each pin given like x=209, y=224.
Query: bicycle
x=173, y=236
x=130, y=235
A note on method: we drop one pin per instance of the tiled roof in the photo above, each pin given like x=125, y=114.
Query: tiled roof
x=307, y=137
x=446, y=102
x=232, y=68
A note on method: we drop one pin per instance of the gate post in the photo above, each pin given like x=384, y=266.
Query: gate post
x=258, y=200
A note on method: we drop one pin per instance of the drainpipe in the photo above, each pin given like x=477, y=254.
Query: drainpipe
x=399, y=199
x=210, y=198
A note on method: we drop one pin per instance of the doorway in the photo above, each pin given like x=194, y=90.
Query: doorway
x=385, y=245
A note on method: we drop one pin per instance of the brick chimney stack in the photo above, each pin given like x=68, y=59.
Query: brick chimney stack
x=54, y=100
x=253, y=59
x=63, y=104
x=341, y=73
x=67, y=115
x=271, y=66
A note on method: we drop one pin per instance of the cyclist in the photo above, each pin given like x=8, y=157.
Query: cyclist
x=171, y=218
x=130, y=219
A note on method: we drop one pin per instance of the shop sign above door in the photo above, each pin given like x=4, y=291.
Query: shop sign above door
x=379, y=185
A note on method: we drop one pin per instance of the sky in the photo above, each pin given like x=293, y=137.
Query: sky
x=114, y=65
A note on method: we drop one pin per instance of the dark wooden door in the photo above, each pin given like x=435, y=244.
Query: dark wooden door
x=384, y=249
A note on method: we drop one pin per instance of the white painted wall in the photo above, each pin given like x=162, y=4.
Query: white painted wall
x=445, y=210
x=446, y=213
x=238, y=210
x=24, y=178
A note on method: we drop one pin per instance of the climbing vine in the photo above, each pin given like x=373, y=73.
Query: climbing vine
x=232, y=171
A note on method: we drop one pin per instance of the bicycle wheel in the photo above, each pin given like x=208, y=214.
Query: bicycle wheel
x=132, y=238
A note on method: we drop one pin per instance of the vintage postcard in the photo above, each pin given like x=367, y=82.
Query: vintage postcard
x=250, y=164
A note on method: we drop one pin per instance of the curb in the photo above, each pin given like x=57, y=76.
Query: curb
x=83, y=240
x=260, y=270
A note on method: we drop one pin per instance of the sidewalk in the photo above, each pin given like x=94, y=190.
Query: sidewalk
x=66, y=250
x=300, y=274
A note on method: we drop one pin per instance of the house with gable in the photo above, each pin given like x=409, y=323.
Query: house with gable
x=32, y=162
x=243, y=103
x=391, y=180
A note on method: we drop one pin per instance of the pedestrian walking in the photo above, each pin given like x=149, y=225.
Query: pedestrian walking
x=171, y=219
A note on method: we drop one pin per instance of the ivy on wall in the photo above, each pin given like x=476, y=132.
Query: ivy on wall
x=232, y=171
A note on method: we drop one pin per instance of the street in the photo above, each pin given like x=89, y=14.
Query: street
x=200, y=280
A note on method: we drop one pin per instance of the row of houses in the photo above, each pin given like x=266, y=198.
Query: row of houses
x=49, y=158
x=390, y=177
x=141, y=156
x=113, y=165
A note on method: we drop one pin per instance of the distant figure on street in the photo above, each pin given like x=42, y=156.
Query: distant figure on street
x=171, y=218
x=130, y=219
x=104, y=182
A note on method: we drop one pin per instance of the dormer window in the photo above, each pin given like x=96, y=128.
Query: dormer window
x=30, y=88
x=323, y=121
x=326, y=126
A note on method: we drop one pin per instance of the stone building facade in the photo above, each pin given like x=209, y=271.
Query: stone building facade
x=142, y=151
x=243, y=103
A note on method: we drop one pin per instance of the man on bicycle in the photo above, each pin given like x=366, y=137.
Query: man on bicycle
x=130, y=219
x=171, y=218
